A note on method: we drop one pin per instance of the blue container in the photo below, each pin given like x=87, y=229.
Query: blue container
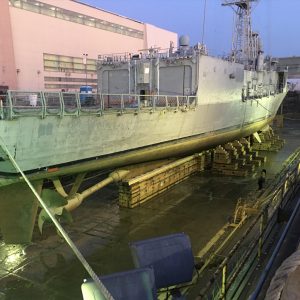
x=170, y=256
x=137, y=284
x=86, y=89
x=85, y=92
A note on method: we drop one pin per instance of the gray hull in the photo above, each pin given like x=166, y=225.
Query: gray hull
x=39, y=143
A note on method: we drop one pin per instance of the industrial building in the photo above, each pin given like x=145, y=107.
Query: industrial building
x=54, y=45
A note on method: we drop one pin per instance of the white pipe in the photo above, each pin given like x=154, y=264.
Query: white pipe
x=78, y=198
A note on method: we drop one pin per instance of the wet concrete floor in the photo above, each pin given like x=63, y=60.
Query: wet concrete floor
x=199, y=206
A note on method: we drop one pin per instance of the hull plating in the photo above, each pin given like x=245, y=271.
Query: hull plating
x=129, y=138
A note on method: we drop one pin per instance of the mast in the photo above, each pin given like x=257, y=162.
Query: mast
x=245, y=42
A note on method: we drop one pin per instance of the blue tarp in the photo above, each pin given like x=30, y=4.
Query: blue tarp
x=136, y=284
x=170, y=256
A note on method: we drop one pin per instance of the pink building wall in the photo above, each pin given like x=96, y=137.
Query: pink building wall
x=98, y=13
x=57, y=36
x=158, y=37
x=7, y=61
x=34, y=34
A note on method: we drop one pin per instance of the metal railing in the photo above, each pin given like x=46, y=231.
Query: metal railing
x=236, y=267
x=145, y=54
x=37, y=103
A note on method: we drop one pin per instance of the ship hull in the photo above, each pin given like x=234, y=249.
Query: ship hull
x=73, y=142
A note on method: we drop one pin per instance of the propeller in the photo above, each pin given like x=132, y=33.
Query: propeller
x=55, y=202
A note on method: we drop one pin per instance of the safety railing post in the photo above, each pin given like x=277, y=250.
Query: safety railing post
x=153, y=102
x=139, y=102
x=98, y=98
x=224, y=280
x=10, y=111
x=62, y=104
x=284, y=188
x=260, y=241
x=77, y=97
x=102, y=103
x=166, y=102
x=1, y=110
x=122, y=102
x=44, y=104
x=262, y=226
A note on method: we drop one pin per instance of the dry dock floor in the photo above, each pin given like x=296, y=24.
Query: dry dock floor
x=199, y=206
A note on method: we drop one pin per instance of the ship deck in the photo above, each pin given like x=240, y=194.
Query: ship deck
x=199, y=206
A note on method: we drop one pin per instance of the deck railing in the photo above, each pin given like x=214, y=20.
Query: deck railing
x=37, y=103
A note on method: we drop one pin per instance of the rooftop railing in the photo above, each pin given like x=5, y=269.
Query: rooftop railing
x=166, y=53
x=42, y=104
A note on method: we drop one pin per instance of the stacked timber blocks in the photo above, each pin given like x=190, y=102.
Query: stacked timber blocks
x=252, y=156
x=269, y=142
x=208, y=159
x=137, y=190
x=227, y=162
x=236, y=159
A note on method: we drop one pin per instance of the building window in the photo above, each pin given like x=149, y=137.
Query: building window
x=60, y=63
x=34, y=7
x=48, y=12
x=69, y=65
x=71, y=16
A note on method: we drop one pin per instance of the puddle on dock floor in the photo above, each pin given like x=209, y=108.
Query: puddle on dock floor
x=199, y=206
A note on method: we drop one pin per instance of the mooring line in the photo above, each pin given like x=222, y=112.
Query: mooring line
x=66, y=237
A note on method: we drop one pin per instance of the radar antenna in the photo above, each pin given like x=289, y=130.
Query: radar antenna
x=245, y=43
